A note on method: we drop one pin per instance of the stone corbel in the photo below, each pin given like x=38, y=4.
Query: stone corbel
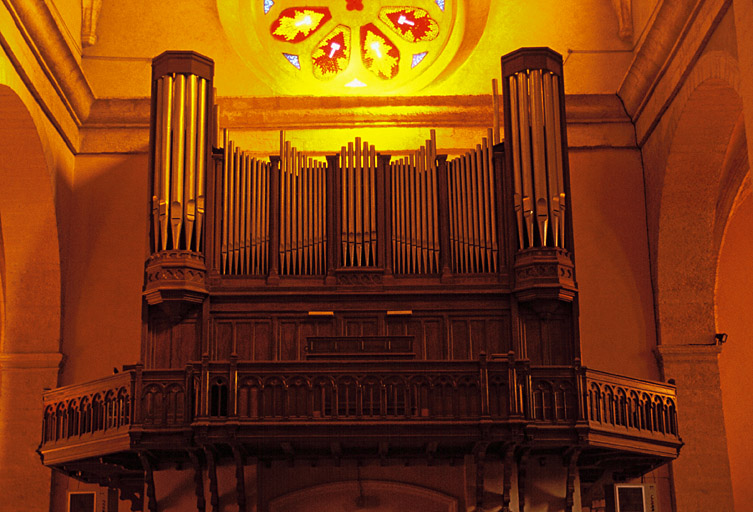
x=624, y=11
x=90, y=10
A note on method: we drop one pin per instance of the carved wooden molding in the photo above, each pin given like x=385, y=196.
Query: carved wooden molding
x=175, y=276
x=90, y=10
x=544, y=272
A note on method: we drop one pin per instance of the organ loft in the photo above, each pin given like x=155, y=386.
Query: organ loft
x=358, y=327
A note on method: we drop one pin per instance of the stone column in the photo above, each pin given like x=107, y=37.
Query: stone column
x=24, y=481
x=701, y=474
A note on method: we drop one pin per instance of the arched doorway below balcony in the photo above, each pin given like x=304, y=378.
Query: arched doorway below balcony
x=372, y=495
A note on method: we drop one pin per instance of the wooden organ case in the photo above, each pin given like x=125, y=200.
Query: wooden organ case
x=360, y=304
x=252, y=258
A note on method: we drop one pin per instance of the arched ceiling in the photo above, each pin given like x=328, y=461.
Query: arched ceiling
x=461, y=59
x=336, y=47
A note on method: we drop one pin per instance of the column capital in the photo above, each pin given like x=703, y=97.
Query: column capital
x=30, y=360
x=688, y=353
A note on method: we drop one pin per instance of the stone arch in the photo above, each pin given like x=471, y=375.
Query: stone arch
x=30, y=272
x=734, y=294
x=30, y=301
x=700, y=124
x=377, y=495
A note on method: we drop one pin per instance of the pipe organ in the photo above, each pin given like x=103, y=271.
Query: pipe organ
x=181, y=110
x=302, y=205
x=180, y=164
x=415, y=218
x=245, y=212
x=357, y=169
x=473, y=219
x=360, y=220
x=365, y=306
x=534, y=99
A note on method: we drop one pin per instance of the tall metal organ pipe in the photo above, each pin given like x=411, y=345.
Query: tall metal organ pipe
x=179, y=149
x=537, y=152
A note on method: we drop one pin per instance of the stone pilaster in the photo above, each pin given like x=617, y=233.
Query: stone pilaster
x=701, y=473
x=24, y=481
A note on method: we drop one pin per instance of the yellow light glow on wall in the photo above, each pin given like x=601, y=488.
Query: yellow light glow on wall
x=325, y=34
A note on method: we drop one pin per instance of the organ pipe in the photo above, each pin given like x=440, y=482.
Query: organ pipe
x=179, y=149
x=303, y=207
x=244, y=223
x=414, y=211
x=534, y=98
x=358, y=204
x=472, y=208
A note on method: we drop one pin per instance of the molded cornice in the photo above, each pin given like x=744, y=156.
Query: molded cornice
x=652, y=53
x=37, y=24
x=122, y=125
x=672, y=46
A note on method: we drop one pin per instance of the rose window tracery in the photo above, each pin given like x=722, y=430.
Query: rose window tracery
x=363, y=39
x=325, y=47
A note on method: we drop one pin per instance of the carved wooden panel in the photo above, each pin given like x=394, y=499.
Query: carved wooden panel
x=170, y=344
x=265, y=339
x=222, y=341
x=253, y=340
x=360, y=326
x=471, y=336
x=436, y=336
x=427, y=331
x=548, y=337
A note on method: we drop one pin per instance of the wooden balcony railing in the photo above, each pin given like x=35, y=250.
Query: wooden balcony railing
x=361, y=392
x=620, y=404
x=95, y=409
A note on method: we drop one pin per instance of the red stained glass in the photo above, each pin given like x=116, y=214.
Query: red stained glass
x=295, y=24
x=332, y=54
x=378, y=53
x=410, y=23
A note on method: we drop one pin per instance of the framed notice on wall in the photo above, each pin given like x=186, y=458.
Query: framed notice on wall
x=82, y=501
x=634, y=498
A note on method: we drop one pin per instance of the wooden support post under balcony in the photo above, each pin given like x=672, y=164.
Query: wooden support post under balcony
x=198, y=480
x=214, y=498
x=571, y=460
x=150, y=498
x=522, y=475
x=507, y=477
x=240, y=478
x=480, y=480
